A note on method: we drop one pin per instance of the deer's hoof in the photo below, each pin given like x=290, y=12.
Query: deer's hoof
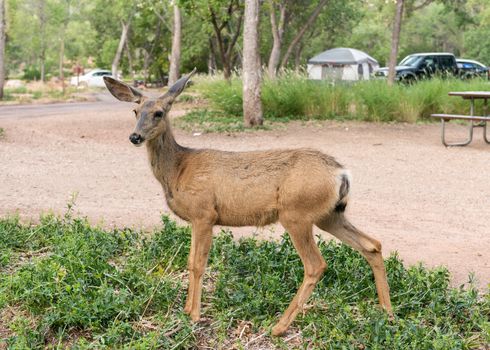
x=187, y=309
x=195, y=317
x=279, y=329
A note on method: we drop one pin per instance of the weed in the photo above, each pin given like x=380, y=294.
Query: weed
x=186, y=98
x=294, y=96
x=125, y=289
x=204, y=120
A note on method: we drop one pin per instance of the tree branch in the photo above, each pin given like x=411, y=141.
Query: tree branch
x=302, y=31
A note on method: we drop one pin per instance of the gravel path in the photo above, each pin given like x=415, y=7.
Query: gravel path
x=429, y=203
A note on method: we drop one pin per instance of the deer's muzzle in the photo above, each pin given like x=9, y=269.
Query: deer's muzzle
x=136, y=139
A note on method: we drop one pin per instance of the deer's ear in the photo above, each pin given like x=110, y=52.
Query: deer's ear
x=178, y=87
x=122, y=91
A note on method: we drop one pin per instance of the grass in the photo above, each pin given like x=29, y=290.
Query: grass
x=39, y=92
x=295, y=97
x=205, y=120
x=66, y=284
x=2, y=133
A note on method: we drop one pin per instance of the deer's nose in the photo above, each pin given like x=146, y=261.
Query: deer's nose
x=135, y=138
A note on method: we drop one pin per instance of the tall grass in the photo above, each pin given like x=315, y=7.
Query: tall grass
x=294, y=96
x=66, y=284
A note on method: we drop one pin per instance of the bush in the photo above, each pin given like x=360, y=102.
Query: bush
x=294, y=96
x=31, y=73
x=77, y=286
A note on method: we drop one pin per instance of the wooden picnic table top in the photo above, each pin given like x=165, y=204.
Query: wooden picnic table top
x=477, y=118
x=471, y=94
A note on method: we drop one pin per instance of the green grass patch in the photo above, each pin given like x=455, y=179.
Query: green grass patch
x=26, y=95
x=64, y=283
x=204, y=120
x=294, y=96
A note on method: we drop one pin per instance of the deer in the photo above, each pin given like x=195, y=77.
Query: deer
x=298, y=188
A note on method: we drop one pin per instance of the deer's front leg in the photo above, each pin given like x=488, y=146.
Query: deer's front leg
x=190, y=264
x=202, y=235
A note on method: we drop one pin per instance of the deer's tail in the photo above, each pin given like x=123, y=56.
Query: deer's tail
x=344, y=180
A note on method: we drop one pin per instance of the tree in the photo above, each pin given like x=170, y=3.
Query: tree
x=173, y=74
x=252, y=106
x=2, y=46
x=277, y=29
x=224, y=19
x=64, y=13
x=395, y=41
x=41, y=7
x=226, y=35
x=297, y=38
x=120, y=47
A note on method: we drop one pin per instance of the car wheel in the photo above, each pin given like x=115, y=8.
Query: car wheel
x=407, y=79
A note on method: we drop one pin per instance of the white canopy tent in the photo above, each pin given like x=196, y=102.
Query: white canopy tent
x=341, y=64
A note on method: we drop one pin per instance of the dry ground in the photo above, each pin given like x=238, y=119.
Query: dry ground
x=429, y=203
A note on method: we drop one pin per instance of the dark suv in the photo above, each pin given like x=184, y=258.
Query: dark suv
x=423, y=65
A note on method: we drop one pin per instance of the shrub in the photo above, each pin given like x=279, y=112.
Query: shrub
x=85, y=288
x=293, y=96
x=31, y=73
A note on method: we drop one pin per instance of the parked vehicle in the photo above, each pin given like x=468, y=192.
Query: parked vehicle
x=94, y=78
x=471, y=69
x=423, y=65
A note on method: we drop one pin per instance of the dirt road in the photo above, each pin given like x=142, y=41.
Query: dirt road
x=429, y=203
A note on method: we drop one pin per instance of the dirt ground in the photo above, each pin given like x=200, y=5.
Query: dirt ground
x=429, y=203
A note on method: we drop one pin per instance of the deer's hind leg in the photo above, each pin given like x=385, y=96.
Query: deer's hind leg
x=314, y=265
x=338, y=225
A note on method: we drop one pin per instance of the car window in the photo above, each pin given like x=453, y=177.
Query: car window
x=410, y=60
x=445, y=62
x=428, y=62
x=100, y=74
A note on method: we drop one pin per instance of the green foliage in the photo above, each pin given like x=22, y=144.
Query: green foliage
x=31, y=73
x=91, y=30
x=68, y=283
x=204, y=120
x=295, y=97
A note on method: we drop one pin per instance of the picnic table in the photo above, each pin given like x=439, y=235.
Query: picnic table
x=475, y=120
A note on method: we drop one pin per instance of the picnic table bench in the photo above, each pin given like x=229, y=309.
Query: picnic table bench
x=475, y=120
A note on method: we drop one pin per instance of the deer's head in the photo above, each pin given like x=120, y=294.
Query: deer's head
x=150, y=113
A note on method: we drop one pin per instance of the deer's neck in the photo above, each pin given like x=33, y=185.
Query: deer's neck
x=165, y=156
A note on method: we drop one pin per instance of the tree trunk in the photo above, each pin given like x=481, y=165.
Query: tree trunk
x=42, y=34
x=226, y=44
x=212, y=66
x=146, y=64
x=277, y=35
x=130, y=60
x=61, y=63
x=173, y=74
x=394, y=42
x=122, y=40
x=252, y=106
x=302, y=31
x=297, y=57
x=2, y=47
x=62, y=55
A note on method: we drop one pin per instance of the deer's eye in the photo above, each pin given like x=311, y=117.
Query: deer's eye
x=158, y=114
